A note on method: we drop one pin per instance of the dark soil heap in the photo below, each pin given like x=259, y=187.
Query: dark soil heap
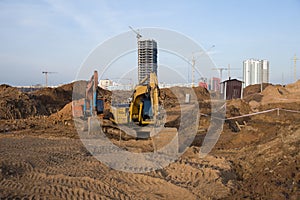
x=15, y=104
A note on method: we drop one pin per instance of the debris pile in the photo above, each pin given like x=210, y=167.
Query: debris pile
x=64, y=115
x=237, y=107
x=51, y=100
x=15, y=104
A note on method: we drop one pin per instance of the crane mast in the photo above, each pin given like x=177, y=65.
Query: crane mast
x=295, y=67
x=46, y=76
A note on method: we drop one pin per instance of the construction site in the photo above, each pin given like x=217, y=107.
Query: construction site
x=256, y=157
x=50, y=138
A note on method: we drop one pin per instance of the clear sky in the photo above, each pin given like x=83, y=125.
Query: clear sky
x=57, y=35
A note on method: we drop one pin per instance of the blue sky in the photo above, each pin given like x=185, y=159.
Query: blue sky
x=58, y=35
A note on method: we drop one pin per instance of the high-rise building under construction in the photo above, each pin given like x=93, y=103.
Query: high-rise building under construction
x=147, y=59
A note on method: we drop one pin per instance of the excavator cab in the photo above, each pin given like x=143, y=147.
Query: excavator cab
x=147, y=109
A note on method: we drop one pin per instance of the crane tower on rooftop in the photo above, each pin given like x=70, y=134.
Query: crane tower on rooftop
x=138, y=35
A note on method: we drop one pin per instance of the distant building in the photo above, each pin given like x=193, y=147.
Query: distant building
x=203, y=84
x=232, y=89
x=215, y=84
x=105, y=83
x=30, y=88
x=118, y=86
x=265, y=71
x=255, y=71
x=147, y=59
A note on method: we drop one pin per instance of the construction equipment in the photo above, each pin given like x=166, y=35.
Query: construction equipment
x=140, y=117
x=142, y=109
x=46, y=76
x=143, y=106
x=93, y=103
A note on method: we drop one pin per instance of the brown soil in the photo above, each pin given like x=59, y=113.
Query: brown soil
x=15, y=104
x=42, y=157
x=65, y=114
x=254, y=89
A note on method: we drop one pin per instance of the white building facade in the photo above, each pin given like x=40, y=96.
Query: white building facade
x=105, y=83
x=255, y=72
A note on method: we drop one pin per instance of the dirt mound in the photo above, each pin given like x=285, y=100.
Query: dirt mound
x=201, y=93
x=65, y=114
x=279, y=94
x=168, y=98
x=274, y=90
x=51, y=100
x=14, y=104
x=294, y=87
x=253, y=93
x=54, y=99
x=237, y=107
x=254, y=89
x=171, y=97
x=271, y=95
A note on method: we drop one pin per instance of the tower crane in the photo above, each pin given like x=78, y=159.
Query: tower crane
x=221, y=69
x=194, y=62
x=138, y=35
x=46, y=76
x=295, y=67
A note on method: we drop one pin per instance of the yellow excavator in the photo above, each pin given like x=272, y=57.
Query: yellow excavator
x=140, y=118
x=143, y=105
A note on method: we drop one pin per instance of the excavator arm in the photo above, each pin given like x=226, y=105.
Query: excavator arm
x=144, y=104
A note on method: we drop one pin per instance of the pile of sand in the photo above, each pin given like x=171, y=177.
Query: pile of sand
x=65, y=114
x=273, y=96
x=254, y=89
x=294, y=87
x=252, y=93
x=279, y=94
